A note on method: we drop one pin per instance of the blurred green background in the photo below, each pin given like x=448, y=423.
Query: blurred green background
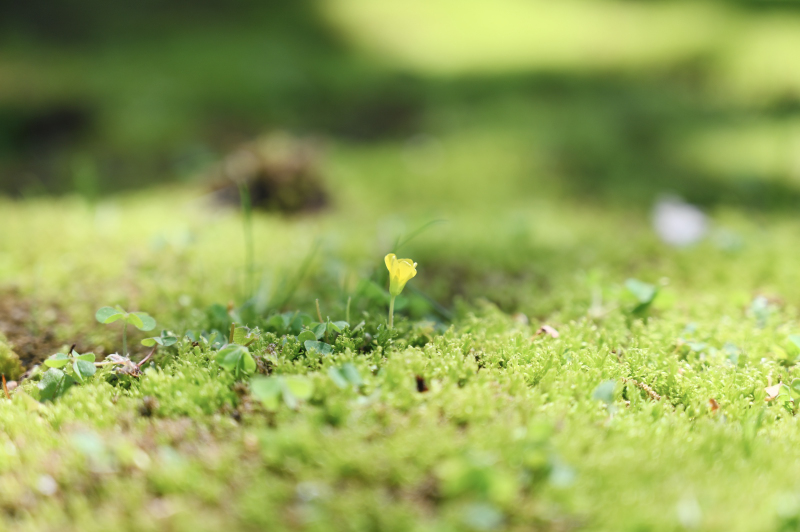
x=611, y=102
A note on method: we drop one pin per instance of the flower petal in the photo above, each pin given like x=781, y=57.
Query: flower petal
x=405, y=270
x=390, y=259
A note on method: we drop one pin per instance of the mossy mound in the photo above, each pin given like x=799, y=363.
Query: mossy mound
x=10, y=366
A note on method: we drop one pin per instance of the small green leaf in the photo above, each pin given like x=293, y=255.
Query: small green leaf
x=605, y=392
x=338, y=379
x=83, y=369
x=319, y=330
x=345, y=376
x=298, y=320
x=317, y=349
x=300, y=386
x=236, y=359
x=167, y=341
x=142, y=321
x=248, y=364
x=53, y=384
x=162, y=340
x=240, y=335
x=643, y=292
x=267, y=390
x=279, y=322
x=305, y=336
x=795, y=386
x=341, y=324
x=333, y=327
x=244, y=336
x=228, y=357
x=108, y=315
x=88, y=357
x=795, y=339
x=350, y=372
x=59, y=360
x=134, y=320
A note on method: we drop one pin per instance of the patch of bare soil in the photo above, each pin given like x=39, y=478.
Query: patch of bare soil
x=29, y=327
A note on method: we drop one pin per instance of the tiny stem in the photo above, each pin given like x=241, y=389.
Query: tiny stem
x=249, y=248
x=391, y=312
x=319, y=314
x=347, y=312
x=125, y=338
x=233, y=331
x=5, y=388
x=145, y=359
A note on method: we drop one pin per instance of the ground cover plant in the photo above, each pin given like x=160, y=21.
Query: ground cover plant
x=537, y=359
x=664, y=378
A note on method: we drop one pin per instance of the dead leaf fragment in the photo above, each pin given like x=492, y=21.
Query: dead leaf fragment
x=773, y=391
x=123, y=365
x=546, y=329
x=713, y=405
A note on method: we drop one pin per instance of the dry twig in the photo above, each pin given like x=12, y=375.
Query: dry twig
x=647, y=389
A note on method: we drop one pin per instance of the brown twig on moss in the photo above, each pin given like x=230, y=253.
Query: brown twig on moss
x=5, y=388
x=647, y=389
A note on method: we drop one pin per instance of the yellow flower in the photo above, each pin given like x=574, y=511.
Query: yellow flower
x=400, y=272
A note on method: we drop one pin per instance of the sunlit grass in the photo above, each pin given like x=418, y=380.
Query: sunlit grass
x=761, y=149
x=451, y=37
x=749, y=54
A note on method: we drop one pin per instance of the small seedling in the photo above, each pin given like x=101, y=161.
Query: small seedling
x=644, y=294
x=235, y=357
x=82, y=365
x=64, y=371
x=165, y=340
x=325, y=329
x=140, y=320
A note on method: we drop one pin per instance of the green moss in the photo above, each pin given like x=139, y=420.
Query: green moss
x=10, y=365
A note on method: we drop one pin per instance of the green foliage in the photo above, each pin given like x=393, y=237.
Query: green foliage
x=165, y=339
x=10, y=365
x=64, y=371
x=244, y=336
x=237, y=360
x=346, y=375
x=643, y=293
x=461, y=418
x=317, y=349
x=140, y=320
x=54, y=384
x=292, y=390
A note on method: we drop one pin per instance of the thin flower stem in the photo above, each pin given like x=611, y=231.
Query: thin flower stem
x=125, y=338
x=391, y=312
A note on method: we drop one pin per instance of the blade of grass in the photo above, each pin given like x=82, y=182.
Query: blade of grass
x=294, y=283
x=399, y=243
x=249, y=246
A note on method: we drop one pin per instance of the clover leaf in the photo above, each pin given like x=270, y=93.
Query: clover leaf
x=236, y=359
